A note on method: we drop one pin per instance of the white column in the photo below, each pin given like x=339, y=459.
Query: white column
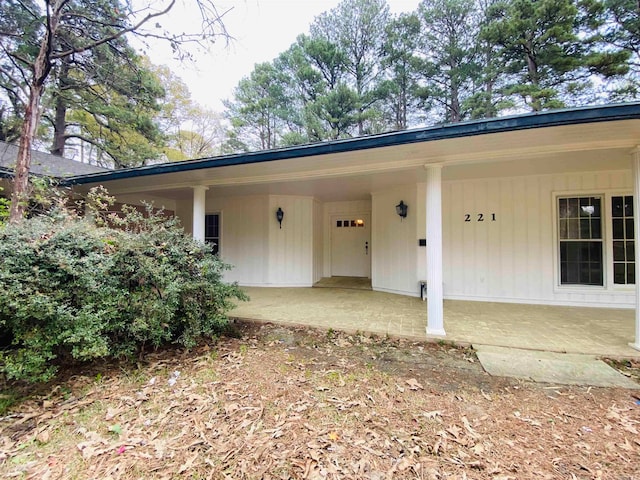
x=199, y=196
x=435, y=310
x=635, y=161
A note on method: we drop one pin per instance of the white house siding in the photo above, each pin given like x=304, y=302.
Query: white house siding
x=353, y=207
x=513, y=258
x=318, y=238
x=291, y=247
x=244, y=236
x=394, y=241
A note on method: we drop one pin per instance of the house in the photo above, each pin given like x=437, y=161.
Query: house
x=42, y=164
x=535, y=209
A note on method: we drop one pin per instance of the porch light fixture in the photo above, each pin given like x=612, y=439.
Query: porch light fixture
x=279, y=216
x=401, y=209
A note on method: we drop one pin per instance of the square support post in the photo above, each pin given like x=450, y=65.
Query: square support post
x=635, y=161
x=199, y=210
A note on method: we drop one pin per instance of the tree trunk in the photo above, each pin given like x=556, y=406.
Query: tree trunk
x=41, y=69
x=60, y=119
x=20, y=193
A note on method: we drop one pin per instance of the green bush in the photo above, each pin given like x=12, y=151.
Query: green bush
x=4, y=209
x=77, y=289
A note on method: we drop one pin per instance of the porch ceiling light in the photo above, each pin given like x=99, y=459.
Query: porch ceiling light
x=401, y=209
x=279, y=216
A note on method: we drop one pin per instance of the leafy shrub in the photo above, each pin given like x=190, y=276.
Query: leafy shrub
x=85, y=288
x=4, y=209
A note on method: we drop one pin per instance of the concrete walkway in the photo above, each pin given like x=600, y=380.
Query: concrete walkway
x=594, y=331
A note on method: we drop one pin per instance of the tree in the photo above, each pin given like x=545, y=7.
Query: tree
x=356, y=28
x=201, y=135
x=546, y=50
x=448, y=55
x=398, y=59
x=256, y=110
x=620, y=29
x=78, y=19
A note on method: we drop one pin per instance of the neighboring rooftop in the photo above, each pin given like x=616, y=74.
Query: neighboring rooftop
x=44, y=163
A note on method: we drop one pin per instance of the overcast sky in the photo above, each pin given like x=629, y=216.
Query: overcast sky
x=261, y=30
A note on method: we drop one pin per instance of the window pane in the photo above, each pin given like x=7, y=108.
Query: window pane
x=618, y=252
x=618, y=228
x=631, y=252
x=572, y=210
x=628, y=206
x=562, y=208
x=573, y=228
x=631, y=273
x=629, y=228
x=585, y=228
x=596, y=228
x=595, y=202
x=617, y=206
x=619, y=276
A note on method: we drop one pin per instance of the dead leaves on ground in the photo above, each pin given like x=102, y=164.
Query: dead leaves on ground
x=257, y=408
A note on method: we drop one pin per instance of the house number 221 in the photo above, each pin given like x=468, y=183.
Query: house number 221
x=479, y=217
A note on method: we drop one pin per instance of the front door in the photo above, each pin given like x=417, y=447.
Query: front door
x=350, y=246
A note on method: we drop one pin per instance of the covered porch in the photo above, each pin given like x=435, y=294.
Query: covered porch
x=598, y=331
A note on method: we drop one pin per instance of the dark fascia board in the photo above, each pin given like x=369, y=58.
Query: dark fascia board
x=575, y=116
x=6, y=173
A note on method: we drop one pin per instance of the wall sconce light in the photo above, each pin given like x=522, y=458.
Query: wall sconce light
x=279, y=216
x=401, y=209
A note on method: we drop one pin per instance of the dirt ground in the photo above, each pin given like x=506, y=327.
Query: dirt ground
x=289, y=403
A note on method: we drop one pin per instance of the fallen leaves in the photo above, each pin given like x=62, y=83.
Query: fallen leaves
x=319, y=411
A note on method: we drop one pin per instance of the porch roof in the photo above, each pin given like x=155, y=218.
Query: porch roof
x=539, y=120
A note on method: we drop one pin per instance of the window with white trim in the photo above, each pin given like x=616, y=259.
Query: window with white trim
x=622, y=235
x=212, y=231
x=580, y=238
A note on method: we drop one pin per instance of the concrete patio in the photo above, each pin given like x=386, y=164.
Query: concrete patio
x=596, y=331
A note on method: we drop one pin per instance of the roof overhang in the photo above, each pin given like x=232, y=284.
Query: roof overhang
x=393, y=158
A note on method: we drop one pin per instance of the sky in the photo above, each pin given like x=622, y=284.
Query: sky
x=261, y=29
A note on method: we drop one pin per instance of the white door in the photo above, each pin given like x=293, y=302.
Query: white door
x=350, y=246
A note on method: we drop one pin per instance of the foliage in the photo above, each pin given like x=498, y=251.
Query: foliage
x=44, y=40
x=361, y=70
x=77, y=289
x=4, y=209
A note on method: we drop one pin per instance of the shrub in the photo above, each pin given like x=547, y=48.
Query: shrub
x=4, y=209
x=77, y=289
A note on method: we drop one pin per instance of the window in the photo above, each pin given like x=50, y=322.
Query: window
x=350, y=223
x=622, y=235
x=212, y=231
x=580, y=237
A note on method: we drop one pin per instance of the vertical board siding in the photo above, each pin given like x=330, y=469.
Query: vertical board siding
x=291, y=247
x=513, y=258
x=393, y=242
x=318, y=237
x=243, y=237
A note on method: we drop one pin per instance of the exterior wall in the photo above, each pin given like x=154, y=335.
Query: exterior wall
x=318, y=238
x=514, y=258
x=260, y=252
x=338, y=208
x=244, y=236
x=290, y=248
x=394, y=241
